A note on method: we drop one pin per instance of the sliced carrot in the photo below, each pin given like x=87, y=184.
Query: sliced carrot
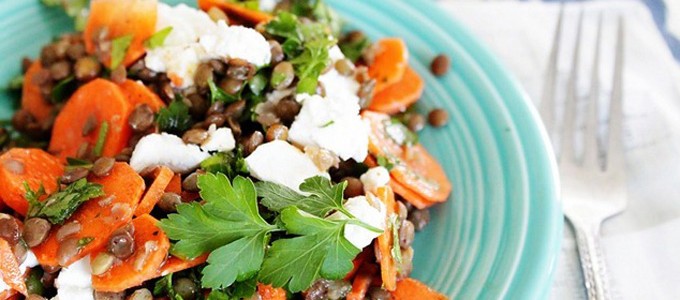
x=359, y=261
x=102, y=100
x=410, y=288
x=390, y=62
x=237, y=13
x=162, y=177
x=175, y=185
x=9, y=295
x=176, y=264
x=362, y=282
x=99, y=217
x=388, y=267
x=151, y=249
x=31, y=97
x=414, y=168
x=397, y=97
x=136, y=93
x=11, y=273
x=31, y=166
x=120, y=18
x=268, y=292
x=399, y=189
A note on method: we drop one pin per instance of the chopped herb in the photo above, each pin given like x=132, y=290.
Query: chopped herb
x=396, y=249
x=329, y=123
x=258, y=84
x=310, y=64
x=63, y=90
x=227, y=163
x=317, y=11
x=84, y=241
x=58, y=207
x=158, y=38
x=385, y=162
x=101, y=139
x=353, y=49
x=174, y=118
x=72, y=163
x=217, y=94
x=119, y=48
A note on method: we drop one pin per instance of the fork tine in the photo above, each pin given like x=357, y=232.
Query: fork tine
x=547, y=105
x=615, y=158
x=590, y=146
x=567, y=140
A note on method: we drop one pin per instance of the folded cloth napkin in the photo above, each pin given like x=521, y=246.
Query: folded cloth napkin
x=642, y=245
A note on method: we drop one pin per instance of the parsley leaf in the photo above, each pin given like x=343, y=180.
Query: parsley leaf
x=119, y=48
x=385, y=162
x=310, y=64
x=320, y=251
x=228, y=224
x=101, y=139
x=217, y=94
x=354, y=48
x=158, y=38
x=323, y=196
x=228, y=163
x=174, y=118
x=59, y=206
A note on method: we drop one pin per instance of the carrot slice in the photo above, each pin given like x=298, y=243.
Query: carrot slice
x=237, y=13
x=102, y=100
x=362, y=282
x=136, y=94
x=268, y=292
x=9, y=295
x=31, y=97
x=31, y=166
x=390, y=63
x=410, y=288
x=388, y=268
x=175, y=185
x=99, y=217
x=397, y=97
x=414, y=168
x=176, y=264
x=151, y=249
x=162, y=176
x=399, y=189
x=11, y=273
x=359, y=261
x=120, y=18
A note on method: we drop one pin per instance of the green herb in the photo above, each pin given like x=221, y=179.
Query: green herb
x=34, y=283
x=227, y=163
x=258, y=84
x=58, y=207
x=385, y=162
x=228, y=225
x=63, y=90
x=72, y=163
x=217, y=94
x=317, y=11
x=119, y=48
x=353, y=49
x=396, y=249
x=310, y=64
x=329, y=123
x=101, y=139
x=158, y=38
x=16, y=83
x=164, y=287
x=323, y=196
x=319, y=251
x=174, y=118
x=84, y=241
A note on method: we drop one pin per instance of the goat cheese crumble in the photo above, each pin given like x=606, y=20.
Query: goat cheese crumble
x=196, y=38
x=163, y=149
x=367, y=209
x=75, y=281
x=374, y=178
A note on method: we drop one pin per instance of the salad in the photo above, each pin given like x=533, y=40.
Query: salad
x=232, y=150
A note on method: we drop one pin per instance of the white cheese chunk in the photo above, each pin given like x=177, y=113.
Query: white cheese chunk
x=364, y=209
x=282, y=163
x=374, y=178
x=162, y=149
x=333, y=124
x=219, y=139
x=337, y=85
x=195, y=38
x=75, y=281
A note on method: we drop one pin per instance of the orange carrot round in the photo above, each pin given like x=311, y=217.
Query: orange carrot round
x=410, y=288
x=238, y=14
x=99, y=217
x=390, y=62
x=120, y=18
x=10, y=271
x=99, y=99
x=385, y=242
x=162, y=177
x=31, y=97
x=151, y=249
x=268, y=292
x=397, y=97
x=31, y=166
x=136, y=94
x=414, y=168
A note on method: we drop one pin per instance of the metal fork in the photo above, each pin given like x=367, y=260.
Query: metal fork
x=590, y=194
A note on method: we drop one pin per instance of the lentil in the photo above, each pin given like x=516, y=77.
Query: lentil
x=186, y=288
x=366, y=92
x=377, y=293
x=252, y=142
x=236, y=109
x=283, y=75
x=60, y=70
x=119, y=74
x=415, y=122
x=287, y=110
x=354, y=187
x=86, y=68
x=218, y=120
x=67, y=230
x=231, y=86
x=73, y=175
x=217, y=14
x=198, y=105
x=277, y=132
x=419, y=218
x=190, y=183
x=438, y=117
x=9, y=228
x=35, y=231
x=406, y=234
x=204, y=74
x=440, y=65
x=195, y=136
x=121, y=244
x=234, y=126
x=141, y=118
x=67, y=250
x=75, y=51
x=102, y=166
x=215, y=108
x=109, y=295
x=276, y=51
x=324, y=289
x=345, y=67
x=240, y=69
x=89, y=125
x=141, y=294
x=402, y=211
x=169, y=201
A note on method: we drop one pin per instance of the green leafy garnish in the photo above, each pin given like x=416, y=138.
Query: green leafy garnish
x=385, y=162
x=101, y=139
x=329, y=123
x=158, y=38
x=257, y=84
x=174, y=118
x=227, y=163
x=163, y=287
x=119, y=48
x=72, y=163
x=323, y=196
x=228, y=225
x=58, y=207
x=353, y=49
x=217, y=94
x=239, y=290
x=320, y=251
x=310, y=64
x=318, y=11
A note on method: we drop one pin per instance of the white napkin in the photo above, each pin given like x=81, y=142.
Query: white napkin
x=642, y=245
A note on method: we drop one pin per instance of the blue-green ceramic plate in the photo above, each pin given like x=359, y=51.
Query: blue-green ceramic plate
x=498, y=236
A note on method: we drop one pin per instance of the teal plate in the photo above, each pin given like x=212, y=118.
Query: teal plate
x=499, y=234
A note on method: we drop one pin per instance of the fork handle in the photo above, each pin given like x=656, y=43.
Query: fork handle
x=592, y=262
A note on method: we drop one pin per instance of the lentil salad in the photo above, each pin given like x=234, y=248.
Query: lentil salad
x=238, y=151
